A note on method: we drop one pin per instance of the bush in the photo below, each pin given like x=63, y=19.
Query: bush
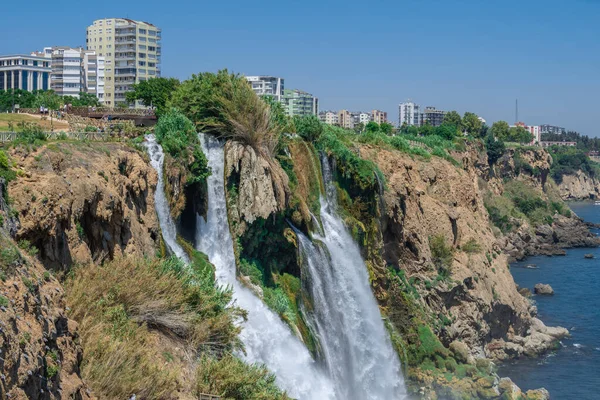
x=178, y=137
x=225, y=105
x=122, y=305
x=308, y=127
x=6, y=172
x=441, y=255
x=471, y=246
x=232, y=379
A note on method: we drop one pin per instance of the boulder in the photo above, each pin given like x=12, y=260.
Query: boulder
x=460, y=351
x=525, y=292
x=543, y=289
x=509, y=390
x=537, y=394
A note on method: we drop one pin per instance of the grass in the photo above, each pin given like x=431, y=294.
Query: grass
x=7, y=119
x=124, y=305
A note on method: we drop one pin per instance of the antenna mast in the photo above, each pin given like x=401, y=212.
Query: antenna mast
x=516, y=111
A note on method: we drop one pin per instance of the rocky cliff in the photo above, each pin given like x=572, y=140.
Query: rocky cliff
x=478, y=301
x=79, y=203
x=40, y=355
x=579, y=187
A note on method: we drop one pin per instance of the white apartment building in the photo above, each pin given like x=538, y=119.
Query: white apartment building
x=132, y=52
x=409, y=114
x=264, y=85
x=75, y=70
x=363, y=118
x=329, y=117
x=26, y=72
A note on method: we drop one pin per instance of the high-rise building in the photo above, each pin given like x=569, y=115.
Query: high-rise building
x=27, y=72
x=409, y=114
x=297, y=102
x=345, y=119
x=552, y=129
x=75, y=70
x=433, y=116
x=329, y=117
x=267, y=86
x=378, y=116
x=132, y=52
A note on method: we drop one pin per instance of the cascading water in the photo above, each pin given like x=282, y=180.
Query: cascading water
x=169, y=231
x=266, y=338
x=354, y=341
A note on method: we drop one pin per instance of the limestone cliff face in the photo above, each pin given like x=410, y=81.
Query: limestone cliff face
x=40, y=355
x=262, y=185
x=85, y=202
x=579, y=187
x=424, y=199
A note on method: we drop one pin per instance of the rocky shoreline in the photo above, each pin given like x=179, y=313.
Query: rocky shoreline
x=549, y=240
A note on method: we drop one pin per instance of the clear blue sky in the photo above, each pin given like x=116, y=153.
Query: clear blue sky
x=468, y=55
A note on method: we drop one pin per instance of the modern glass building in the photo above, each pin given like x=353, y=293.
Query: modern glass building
x=25, y=72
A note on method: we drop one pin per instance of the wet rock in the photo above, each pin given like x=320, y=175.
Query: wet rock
x=525, y=292
x=589, y=256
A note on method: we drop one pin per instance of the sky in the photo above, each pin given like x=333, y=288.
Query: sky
x=464, y=55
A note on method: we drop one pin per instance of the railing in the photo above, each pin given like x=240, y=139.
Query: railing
x=203, y=396
x=91, y=136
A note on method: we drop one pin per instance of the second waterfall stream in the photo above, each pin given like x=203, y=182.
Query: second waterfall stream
x=266, y=338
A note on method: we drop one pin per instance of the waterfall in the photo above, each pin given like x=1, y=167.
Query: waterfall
x=355, y=344
x=167, y=225
x=266, y=338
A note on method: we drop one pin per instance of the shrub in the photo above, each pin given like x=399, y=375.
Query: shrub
x=120, y=304
x=224, y=104
x=178, y=137
x=471, y=246
x=441, y=255
x=4, y=301
x=233, y=379
x=309, y=127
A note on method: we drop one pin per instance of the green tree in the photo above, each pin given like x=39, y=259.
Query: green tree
x=520, y=135
x=495, y=149
x=155, y=92
x=501, y=130
x=359, y=128
x=426, y=129
x=372, y=127
x=472, y=124
x=84, y=100
x=50, y=100
x=453, y=118
x=386, y=128
x=21, y=97
x=309, y=127
x=446, y=131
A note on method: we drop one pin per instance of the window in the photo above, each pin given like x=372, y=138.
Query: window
x=152, y=40
x=151, y=33
x=142, y=47
x=151, y=64
x=151, y=72
x=141, y=71
x=142, y=31
x=142, y=55
x=99, y=30
x=109, y=22
x=142, y=63
x=151, y=48
x=100, y=47
x=142, y=38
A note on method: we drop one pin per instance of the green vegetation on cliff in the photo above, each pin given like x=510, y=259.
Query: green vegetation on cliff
x=138, y=320
x=570, y=160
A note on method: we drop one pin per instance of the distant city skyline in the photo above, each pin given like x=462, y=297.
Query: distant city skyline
x=463, y=56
